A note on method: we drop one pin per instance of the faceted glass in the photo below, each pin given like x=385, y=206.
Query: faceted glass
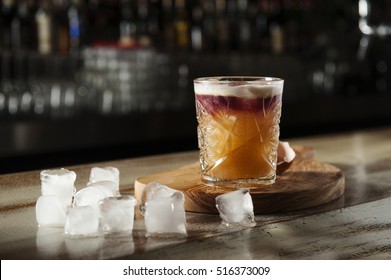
x=238, y=129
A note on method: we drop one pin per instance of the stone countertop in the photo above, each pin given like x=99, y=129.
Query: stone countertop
x=355, y=226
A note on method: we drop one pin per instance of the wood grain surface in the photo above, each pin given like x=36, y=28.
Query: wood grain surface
x=355, y=226
x=305, y=184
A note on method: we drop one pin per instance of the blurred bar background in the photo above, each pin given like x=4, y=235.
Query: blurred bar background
x=94, y=80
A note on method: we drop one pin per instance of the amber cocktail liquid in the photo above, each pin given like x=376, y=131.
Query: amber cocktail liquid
x=238, y=129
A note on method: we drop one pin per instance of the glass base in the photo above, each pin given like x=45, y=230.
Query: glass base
x=250, y=183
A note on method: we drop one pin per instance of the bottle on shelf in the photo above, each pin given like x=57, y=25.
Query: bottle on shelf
x=154, y=22
x=44, y=23
x=144, y=39
x=244, y=26
x=127, y=34
x=168, y=40
x=181, y=25
x=8, y=12
x=74, y=24
x=222, y=26
x=261, y=42
x=60, y=28
x=196, y=32
x=276, y=27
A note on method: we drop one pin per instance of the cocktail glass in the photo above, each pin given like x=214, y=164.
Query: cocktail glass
x=238, y=129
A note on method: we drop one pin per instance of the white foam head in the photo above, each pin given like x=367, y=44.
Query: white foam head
x=244, y=87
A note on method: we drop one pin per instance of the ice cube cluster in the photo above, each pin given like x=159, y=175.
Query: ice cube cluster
x=99, y=208
x=94, y=209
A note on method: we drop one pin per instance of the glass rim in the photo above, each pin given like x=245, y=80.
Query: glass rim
x=221, y=80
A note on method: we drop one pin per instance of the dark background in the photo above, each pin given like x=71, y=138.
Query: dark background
x=102, y=94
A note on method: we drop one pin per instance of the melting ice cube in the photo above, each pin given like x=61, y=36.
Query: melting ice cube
x=58, y=182
x=50, y=211
x=109, y=188
x=236, y=207
x=105, y=174
x=89, y=196
x=154, y=190
x=165, y=214
x=82, y=221
x=117, y=214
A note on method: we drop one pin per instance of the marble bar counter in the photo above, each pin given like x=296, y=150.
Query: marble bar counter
x=354, y=226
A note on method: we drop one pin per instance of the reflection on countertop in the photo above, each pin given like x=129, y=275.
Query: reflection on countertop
x=354, y=226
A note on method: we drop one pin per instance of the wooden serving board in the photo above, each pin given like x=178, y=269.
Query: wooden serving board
x=305, y=184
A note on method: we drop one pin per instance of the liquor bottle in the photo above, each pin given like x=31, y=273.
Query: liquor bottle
x=168, y=25
x=231, y=14
x=15, y=33
x=59, y=27
x=127, y=35
x=8, y=12
x=44, y=32
x=222, y=25
x=6, y=84
x=181, y=25
x=244, y=26
x=261, y=41
x=276, y=28
x=22, y=27
x=196, y=35
x=127, y=25
x=22, y=96
x=26, y=12
x=144, y=38
x=154, y=22
x=74, y=26
x=209, y=25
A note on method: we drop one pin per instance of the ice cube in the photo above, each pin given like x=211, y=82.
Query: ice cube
x=117, y=214
x=236, y=207
x=105, y=174
x=89, y=196
x=165, y=215
x=50, y=211
x=154, y=190
x=107, y=187
x=59, y=182
x=82, y=221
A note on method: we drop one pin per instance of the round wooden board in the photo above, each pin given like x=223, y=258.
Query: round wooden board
x=305, y=184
